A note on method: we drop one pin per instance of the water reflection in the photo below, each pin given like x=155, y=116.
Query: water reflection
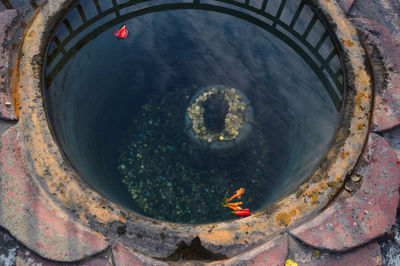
x=101, y=95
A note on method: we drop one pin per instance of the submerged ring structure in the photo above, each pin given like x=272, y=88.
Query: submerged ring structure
x=159, y=239
x=236, y=126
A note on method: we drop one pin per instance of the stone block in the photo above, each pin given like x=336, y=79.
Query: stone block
x=369, y=255
x=33, y=218
x=386, y=113
x=124, y=256
x=274, y=252
x=369, y=212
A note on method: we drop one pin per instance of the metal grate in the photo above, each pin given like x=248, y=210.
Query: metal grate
x=294, y=22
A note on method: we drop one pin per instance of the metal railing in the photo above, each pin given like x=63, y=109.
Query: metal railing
x=293, y=21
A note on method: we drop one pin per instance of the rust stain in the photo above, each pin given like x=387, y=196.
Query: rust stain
x=313, y=196
x=15, y=89
x=83, y=218
x=283, y=219
x=343, y=155
x=349, y=43
x=332, y=185
x=218, y=237
x=360, y=126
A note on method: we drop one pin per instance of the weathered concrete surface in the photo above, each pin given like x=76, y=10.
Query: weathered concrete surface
x=124, y=256
x=302, y=254
x=386, y=113
x=160, y=238
x=346, y=4
x=32, y=218
x=8, y=27
x=385, y=12
x=390, y=248
x=8, y=248
x=127, y=253
x=382, y=13
x=273, y=252
x=393, y=138
x=368, y=255
x=6, y=124
x=370, y=212
x=26, y=257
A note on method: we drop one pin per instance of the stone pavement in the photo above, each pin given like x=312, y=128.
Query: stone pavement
x=356, y=228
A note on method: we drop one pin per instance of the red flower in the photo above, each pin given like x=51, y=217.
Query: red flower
x=121, y=33
x=242, y=213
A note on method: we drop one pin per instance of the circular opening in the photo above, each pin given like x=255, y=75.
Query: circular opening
x=219, y=121
x=119, y=108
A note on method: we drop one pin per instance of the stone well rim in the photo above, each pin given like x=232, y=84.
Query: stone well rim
x=52, y=174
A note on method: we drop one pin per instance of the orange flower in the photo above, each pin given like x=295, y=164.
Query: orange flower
x=234, y=206
x=234, y=203
x=238, y=194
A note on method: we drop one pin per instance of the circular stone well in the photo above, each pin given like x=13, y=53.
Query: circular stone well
x=124, y=134
x=105, y=127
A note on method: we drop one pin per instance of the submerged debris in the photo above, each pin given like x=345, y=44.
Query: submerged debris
x=170, y=180
x=218, y=114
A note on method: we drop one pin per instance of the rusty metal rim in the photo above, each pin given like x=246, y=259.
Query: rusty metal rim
x=51, y=172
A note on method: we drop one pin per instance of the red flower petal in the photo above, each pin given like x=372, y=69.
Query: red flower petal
x=121, y=33
x=242, y=213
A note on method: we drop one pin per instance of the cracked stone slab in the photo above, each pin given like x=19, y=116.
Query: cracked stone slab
x=124, y=256
x=32, y=218
x=356, y=218
x=386, y=113
x=273, y=252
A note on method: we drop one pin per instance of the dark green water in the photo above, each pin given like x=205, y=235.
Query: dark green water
x=117, y=110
